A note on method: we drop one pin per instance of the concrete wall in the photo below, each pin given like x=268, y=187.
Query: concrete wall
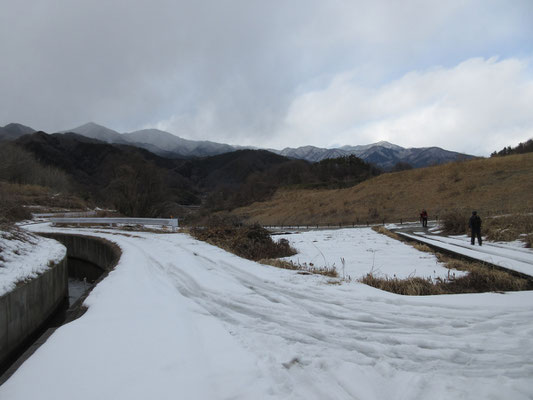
x=91, y=258
x=25, y=309
x=99, y=252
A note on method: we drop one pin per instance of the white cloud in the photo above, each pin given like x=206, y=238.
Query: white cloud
x=477, y=106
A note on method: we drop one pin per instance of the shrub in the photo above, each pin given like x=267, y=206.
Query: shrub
x=251, y=242
x=413, y=286
x=12, y=211
x=455, y=222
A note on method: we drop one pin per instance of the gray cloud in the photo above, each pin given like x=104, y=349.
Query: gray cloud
x=234, y=71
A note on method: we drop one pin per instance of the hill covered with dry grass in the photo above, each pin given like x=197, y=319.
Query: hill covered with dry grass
x=491, y=186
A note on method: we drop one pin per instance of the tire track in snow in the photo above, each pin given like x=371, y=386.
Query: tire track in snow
x=307, y=319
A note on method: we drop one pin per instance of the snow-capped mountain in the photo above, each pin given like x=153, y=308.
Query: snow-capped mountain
x=310, y=153
x=14, y=131
x=154, y=140
x=364, y=147
x=167, y=142
x=384, y=154
x=99, y=132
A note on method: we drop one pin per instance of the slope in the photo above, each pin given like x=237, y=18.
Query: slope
x=488, y=185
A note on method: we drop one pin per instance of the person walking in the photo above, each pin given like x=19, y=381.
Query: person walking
x=424, y=218
x=475, y=228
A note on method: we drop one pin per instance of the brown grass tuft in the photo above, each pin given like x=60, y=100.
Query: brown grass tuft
x=385, y=231
x=251, y=242
x=411, y=286
x=422, y=247
x=326, y=271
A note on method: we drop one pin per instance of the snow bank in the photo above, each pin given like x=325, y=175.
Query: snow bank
x=24, y=256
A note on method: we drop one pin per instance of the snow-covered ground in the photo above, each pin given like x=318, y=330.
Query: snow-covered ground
x=364, y=251
x=24, y=256
x=180, y=319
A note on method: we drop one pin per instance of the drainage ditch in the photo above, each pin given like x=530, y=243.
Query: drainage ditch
x=89, y=260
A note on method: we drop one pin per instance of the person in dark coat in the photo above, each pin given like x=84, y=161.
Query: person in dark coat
x=424, y=218
x=475, y=227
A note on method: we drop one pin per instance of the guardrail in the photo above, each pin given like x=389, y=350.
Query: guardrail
x=64, y=214
x=341, y=225
x=171, y=222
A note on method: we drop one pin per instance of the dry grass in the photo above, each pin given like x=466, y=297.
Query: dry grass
x=386, y=232
x=480, y=278
x=455, y=222
x=422, y=247
x=503, y=228
x=307, y=268
x=13, y=198
x=509, y=228
x=411, y=286
x=490, y=186
x=9, y=231
x=251, y=242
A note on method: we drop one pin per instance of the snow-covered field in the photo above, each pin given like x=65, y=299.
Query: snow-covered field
x=180, y=319
x=24, y=256
x=364, y=251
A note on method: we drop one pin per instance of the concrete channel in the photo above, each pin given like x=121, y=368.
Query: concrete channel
x=36, y=309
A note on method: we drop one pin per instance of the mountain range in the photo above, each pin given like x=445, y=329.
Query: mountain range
x=383, y=154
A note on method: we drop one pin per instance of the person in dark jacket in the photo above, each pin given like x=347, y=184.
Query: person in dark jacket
x=424, y=218
x=475, y=227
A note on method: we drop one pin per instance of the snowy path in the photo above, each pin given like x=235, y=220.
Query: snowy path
x=182, y=319
x=506, y=255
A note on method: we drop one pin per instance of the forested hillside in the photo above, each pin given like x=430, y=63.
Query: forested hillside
x=521, y=148
x=140, y=183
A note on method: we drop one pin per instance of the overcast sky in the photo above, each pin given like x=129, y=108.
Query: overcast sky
x=456, y=74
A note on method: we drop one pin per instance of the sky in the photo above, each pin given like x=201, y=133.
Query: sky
x=455, y=74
